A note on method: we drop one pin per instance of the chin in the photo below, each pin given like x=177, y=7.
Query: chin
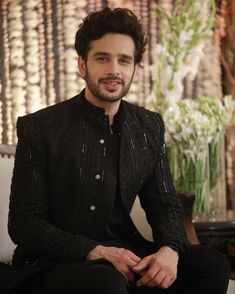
x=111, y=98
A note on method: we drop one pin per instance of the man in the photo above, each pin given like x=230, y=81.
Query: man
x=80, y=165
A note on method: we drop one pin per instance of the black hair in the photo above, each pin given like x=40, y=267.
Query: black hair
x=118, y=20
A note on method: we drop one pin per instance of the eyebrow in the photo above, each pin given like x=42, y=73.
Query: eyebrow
x=119, y=55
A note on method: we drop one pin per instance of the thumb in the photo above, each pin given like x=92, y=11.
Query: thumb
x=141, y=265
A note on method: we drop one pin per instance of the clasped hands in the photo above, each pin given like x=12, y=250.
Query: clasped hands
x=156, y=270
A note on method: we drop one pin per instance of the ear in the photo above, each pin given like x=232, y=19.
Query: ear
x=82, y=66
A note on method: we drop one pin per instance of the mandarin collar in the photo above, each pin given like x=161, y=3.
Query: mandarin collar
x=98, y=111
x=91, y=107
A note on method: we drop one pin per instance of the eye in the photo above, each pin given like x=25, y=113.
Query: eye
x=125, y=61
x=102, y=58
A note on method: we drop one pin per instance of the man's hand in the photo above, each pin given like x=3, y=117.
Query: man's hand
x=158, y=269
x=123, y=260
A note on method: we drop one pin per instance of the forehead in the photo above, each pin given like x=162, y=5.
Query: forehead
x=113, y=44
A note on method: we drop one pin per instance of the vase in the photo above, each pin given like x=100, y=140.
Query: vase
x=217, y=176
x=192, y=176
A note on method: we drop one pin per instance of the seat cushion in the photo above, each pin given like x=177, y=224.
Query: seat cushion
x=6, y=245
x=139, y=218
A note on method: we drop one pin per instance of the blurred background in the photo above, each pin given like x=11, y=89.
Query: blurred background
x=38, y=65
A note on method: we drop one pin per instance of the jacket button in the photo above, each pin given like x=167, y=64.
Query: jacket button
x=97, y=177
x=92, y=207
x=101, y=141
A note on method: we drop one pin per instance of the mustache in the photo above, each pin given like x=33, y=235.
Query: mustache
x=112, y=78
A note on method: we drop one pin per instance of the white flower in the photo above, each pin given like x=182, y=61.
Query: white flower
x=31, y=34
x=32, y=68
x=14, y=7
x=173, y=95
x=17, y=59
x=16, y=24
x=31, y=23
x=15, y=34
x=150, y=98
x=33, y=92
x=229, y=109
x=160, y=49
x=70, y=22
x=185, y=36
x=31, y=14
x=18, y=74
x=30, y=4
x=193, y=60
x=17, y=44
x=33, y=49
x=180, y=47
x=19, y=93
x=34, y=78
x=14, y=14
x=71, y=77
x=69, y=6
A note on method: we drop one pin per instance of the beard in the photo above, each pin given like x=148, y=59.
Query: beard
x=108, y=96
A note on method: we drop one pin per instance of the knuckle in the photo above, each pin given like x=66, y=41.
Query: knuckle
x=121, y=250
x=149, y=276
x=157, y=281
x=172, y=275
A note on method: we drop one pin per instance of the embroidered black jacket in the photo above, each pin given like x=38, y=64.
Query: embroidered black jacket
x=61, y=199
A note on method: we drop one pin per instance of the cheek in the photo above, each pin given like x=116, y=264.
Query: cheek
x=94, y=71
x=93, y=76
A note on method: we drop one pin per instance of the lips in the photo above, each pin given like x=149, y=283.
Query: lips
x=111, y=85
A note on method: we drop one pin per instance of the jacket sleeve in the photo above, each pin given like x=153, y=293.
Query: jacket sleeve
x=29, y=225
x=158, y=198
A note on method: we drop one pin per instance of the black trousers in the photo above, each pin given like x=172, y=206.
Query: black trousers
x=202, y=271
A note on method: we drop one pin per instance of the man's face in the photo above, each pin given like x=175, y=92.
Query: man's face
x=109, y=68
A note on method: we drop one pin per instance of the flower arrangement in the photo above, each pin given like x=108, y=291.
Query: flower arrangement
x=187, y=137
x=194, y=129
x=180, y=48
x=220, y=116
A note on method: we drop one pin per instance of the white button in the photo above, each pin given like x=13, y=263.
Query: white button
x=101, y=141
x=97, y=177
x=92, y=207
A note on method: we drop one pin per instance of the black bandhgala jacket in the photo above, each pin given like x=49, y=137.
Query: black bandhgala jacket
x=60, y=202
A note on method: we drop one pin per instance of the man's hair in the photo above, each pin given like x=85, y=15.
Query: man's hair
x=118, y=20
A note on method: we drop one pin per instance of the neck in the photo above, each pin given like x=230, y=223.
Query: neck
x=111, y=108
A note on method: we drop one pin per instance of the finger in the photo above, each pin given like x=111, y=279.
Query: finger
x=127, y=253
x=142, y=265
x=166, y=282
x=127, y=257
x=157, y=280
x=142, y=273
x=148, y=277
x=130, y=262
x=134, y=257
x=127, y=274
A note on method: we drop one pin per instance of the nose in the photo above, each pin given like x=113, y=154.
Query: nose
x=113, y=68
